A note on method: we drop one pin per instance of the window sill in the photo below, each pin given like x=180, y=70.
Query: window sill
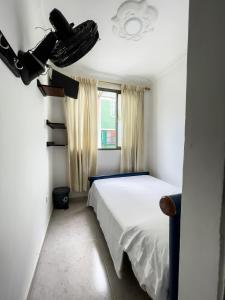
x=103, y=149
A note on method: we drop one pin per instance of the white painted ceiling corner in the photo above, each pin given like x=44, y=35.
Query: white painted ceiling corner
x=181, y=59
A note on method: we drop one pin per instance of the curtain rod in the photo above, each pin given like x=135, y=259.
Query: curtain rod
x=103, y=81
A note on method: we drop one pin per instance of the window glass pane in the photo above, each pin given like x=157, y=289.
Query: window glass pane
x=107, y=120
x=119, y=121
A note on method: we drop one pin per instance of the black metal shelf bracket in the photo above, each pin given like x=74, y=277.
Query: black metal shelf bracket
x=49, y=144
x=54, y=125
x=9, y=57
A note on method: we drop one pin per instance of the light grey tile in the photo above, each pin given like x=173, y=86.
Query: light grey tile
x=126, y=287
x=75, y=263
x=71, y=272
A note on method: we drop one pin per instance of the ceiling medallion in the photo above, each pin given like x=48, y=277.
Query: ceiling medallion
x=134, y=19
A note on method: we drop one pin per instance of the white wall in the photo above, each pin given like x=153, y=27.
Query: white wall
x=108, y=162
x=25, y=183
x=204, y=152
x=59, y=154
x=166, y=124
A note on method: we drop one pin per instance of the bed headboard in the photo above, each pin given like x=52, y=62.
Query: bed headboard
x=171, y=206
x=93, y=178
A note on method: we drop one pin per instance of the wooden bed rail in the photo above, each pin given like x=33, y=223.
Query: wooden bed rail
x=171, y=206
x=93, y=178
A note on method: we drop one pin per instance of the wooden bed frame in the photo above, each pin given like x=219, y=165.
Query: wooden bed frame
x=170, y=206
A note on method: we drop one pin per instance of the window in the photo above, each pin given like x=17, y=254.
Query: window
x=109, y=119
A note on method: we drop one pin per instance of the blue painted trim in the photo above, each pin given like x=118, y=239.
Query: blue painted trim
x=174, y=248
x=93, y=178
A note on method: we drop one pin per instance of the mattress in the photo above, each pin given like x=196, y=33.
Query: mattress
x=128, y=212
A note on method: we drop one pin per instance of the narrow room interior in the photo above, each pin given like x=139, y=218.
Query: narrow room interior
x=112, y=121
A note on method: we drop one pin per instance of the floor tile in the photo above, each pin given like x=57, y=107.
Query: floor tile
x=126, y=287
x=75, y=263
x=72, y=272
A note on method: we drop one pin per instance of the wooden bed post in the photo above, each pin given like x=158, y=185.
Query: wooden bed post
x=171, y=206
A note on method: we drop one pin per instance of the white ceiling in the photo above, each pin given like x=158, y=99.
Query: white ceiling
x=116, y=57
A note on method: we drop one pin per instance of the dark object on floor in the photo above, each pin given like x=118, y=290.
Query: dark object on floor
x=70, y=85
x=60, y=197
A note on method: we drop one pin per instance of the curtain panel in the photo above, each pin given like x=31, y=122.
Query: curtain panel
x=132, y=152
x=81, y=121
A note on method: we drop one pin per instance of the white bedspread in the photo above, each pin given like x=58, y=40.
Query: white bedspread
x=128, y=212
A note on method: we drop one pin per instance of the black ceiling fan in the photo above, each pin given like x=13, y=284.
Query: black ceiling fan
x=63, y=46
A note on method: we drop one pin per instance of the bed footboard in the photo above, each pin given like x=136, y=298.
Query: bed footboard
x=93, y=178
x=171, y=206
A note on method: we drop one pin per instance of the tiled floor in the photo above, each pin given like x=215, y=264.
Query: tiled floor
x=75, y=263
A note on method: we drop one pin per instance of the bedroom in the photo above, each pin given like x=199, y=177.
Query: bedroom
x=181, y=119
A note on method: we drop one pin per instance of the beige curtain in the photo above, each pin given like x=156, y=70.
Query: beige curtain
x=132, y=115
x=81, y=120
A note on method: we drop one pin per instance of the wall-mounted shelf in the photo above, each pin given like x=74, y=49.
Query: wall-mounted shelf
x=50, y=90
x=50, y=144
x=55, y=125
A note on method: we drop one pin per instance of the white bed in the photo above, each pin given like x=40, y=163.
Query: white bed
x=128, y=211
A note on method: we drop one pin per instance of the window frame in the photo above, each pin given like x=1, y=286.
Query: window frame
x=117, y=92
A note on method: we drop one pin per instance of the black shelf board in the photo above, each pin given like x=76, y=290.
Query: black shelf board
x=50, y=144
x=50, y=90
x=55, y=125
